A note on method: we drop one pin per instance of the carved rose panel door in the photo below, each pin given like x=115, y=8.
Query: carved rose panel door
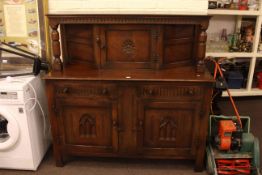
x=130, y=46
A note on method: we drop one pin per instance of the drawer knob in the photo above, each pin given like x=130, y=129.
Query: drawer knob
x=151, y=92
x=191, y=92
x=105, y=91
x=65, y=90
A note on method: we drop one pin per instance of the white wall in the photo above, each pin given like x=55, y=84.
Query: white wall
x=186, y=7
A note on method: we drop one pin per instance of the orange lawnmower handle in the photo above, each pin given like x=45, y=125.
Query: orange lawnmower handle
x=218, y=69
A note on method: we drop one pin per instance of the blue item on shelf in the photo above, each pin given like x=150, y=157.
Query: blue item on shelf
x=235, y=80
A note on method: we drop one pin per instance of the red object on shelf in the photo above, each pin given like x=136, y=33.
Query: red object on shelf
x=259, y=80
x=233, y=166
x=243, y=4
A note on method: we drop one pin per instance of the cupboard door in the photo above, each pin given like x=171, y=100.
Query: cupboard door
x=169, y=128
x=130, y=46
x=88, y=125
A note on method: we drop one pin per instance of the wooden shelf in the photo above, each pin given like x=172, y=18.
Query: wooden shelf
x=243, y=92
x=230, y=54
x=236, y=16
x=259, y=54
x=233, y=12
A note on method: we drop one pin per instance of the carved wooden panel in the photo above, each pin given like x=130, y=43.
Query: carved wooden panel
x=127, y=19
x=168, y=134
x=170, y=91
x=167, y=129
x=91, y=90
x=169, y=126
x=87, y=125
x=128, y=46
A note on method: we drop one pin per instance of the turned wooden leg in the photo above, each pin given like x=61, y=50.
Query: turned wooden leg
x=199, y=163
x=59, y=160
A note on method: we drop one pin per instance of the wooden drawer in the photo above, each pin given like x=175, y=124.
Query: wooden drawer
x=170, y=91
x=85, y=89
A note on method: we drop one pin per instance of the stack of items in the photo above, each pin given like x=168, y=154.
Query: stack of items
x=241, y=41
x=233, y=4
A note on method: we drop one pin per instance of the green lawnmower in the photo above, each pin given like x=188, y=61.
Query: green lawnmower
x=232, y=150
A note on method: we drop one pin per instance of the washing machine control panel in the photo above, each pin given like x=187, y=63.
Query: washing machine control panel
x=8, y=95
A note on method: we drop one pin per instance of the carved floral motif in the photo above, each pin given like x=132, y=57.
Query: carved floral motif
x=128, y=47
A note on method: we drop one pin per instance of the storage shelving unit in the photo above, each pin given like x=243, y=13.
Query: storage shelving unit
x=238, y=14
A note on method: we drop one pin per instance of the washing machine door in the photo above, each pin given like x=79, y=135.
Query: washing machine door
x=9, y=130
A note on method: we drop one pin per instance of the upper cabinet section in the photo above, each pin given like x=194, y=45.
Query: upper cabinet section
x=129, y=46
x=128, y=41
x=177, y=7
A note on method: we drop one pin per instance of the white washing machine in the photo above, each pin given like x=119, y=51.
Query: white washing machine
x=24, y=127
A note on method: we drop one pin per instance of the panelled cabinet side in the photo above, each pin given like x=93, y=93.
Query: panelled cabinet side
x=204, y=119
x=53, y=115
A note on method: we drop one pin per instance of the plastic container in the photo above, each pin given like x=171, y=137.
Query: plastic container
x=235, y=80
